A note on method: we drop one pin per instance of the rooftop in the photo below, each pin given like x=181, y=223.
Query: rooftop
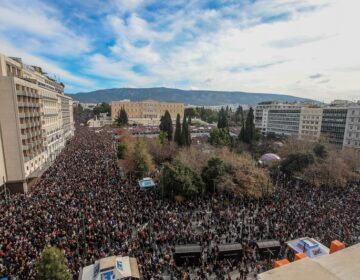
x=342, y=265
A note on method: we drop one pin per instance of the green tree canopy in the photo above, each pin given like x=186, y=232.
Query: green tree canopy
x=320, y=151
x=239, y=115
x=122, y=118
x=188, y=132
x=220, y=137
x=296, y=162
x=166, y=125
x=52, y=265
x=163, y=137
x=223, y=121
x=102, y=108
x=141, y=167
x=178, y=179
x=185, y=133
x=121, y=150
x=177, y=137
x=212, y=171
x=248, y=132
x=82, y=115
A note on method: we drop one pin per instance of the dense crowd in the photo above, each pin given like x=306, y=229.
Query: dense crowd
x=83, y=206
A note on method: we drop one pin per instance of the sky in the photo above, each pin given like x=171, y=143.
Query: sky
x=303, y=48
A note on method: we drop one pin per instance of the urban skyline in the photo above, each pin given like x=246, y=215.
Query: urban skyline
x=301, y=48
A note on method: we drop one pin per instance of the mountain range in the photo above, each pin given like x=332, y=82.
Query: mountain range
x=193, y=97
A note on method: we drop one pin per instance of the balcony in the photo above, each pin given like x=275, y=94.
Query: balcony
x=30, y=114
x=27, y=158
x=25, y=137
x=38, y=133
x=21, y=93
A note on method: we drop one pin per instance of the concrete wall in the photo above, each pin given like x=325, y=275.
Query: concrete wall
x=3, y=177
x=32, y=120
x=11, y=131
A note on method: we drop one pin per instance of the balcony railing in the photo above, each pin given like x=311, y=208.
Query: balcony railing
x=26, y=93
x=26, y=159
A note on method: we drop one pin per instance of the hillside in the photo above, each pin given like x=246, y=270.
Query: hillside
x=194, y=97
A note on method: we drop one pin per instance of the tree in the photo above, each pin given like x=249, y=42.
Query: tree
x=82, y=115
x=223, y=121
x=102, y=108
x=161, y=153
x=239, y=115
x=206, y=115
x=186, y=135
x=249, y=127
x=193, y=158
x=166, y=125
x=162, y=137
x=212, y=171
x=242, y=131
x=184, y=132
x=52, y=265
x=296, y=162
x=178, y=179
x=242, y=178
x=121, y=150
x=191, y=112
x=140, y=160
x=177, y=137
x=122, y=118
x=220, y=137
x=248, y=133
x=332, y=171
x=320, y=151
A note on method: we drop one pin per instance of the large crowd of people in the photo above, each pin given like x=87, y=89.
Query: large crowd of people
x=83, y=206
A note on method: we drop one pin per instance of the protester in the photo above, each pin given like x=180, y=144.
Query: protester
x=82, y=206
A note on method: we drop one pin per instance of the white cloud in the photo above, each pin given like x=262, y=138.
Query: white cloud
x=128, y=5
x=239, y=46
x=40, y=28
x=48, y=66
x=116, y=70
x=268, y=57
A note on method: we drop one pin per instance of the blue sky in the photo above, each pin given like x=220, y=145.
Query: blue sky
x=303, y=48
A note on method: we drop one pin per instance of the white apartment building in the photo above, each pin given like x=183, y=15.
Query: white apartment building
x=2, y=163
x=339, y=125
x=261, y=113
x=52, y=124
x=352, y=128
x=34, y=120
x=310, y=123
x=67, y=118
